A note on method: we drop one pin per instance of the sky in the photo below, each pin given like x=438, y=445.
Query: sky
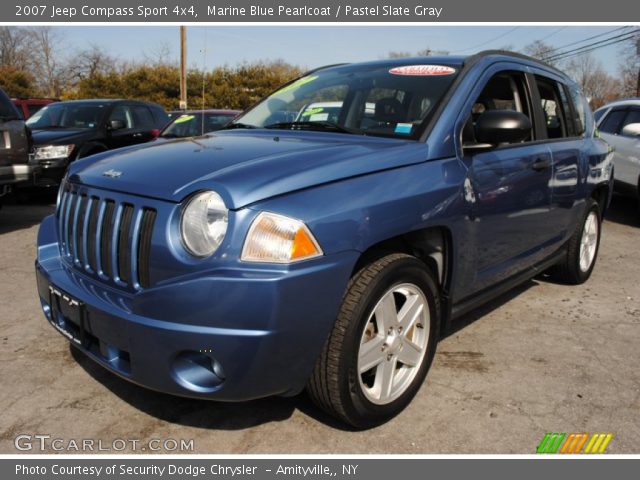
x=312, y=47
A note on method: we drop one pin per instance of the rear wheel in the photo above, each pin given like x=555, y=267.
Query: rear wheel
x=582, y=250
x=382, y=343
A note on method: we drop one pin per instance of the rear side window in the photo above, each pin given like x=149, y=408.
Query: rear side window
x=142, y=117
x=552, y=108
x=611, y=123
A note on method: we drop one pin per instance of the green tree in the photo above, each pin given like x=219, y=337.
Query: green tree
x=16, y=83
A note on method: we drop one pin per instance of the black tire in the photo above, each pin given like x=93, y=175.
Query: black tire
x=335, y=384
x=568, y=270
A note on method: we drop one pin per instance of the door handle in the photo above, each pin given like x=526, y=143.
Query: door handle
x=137, y=135
x=541, y=164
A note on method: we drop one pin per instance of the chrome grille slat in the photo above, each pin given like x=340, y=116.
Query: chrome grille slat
x=92, y=233
x=124, y=244
x=73, y=209
x=61, y=217
x=79, y=229
x=144, y=246
x=107, y=238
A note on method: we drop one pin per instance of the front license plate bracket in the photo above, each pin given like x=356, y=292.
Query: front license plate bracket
x=68, y=316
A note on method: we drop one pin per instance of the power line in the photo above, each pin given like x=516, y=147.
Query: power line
x=555, y=49
x=585, y=48
x=487, y=42
x=593, y=48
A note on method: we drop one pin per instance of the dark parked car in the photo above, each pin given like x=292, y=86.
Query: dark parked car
x=29, y=106
x=192, y=123
x=15, y=147
x=66, y=131
x=274, y=256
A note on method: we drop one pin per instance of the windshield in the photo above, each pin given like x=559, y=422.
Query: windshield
x=61, y=115
x=380, y=100
x=194, y=124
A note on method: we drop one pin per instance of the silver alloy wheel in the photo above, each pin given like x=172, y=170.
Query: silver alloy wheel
x=589, y=241
x=393, y=344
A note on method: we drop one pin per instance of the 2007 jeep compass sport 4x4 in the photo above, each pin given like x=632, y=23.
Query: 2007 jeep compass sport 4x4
x=296, y=249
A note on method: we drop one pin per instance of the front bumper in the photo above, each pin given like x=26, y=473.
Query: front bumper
x=17, y=173
x=262, y=336
x=50, y=172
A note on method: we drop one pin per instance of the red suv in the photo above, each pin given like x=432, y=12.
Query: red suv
x=29, y=106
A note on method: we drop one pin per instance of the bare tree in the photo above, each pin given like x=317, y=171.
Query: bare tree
x=598, y=86
x=629, y=68
x=541, y=51
x=159, y=54
x=425, y=52
x=394, y=54
x=48, y=66
x=14, y=48
x=90, y=62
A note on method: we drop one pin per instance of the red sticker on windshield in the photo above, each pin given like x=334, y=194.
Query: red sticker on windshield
x=423, y=70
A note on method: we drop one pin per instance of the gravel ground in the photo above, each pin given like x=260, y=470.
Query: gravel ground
x=542, y=358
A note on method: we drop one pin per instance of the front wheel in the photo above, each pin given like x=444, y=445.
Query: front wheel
x=382, y=343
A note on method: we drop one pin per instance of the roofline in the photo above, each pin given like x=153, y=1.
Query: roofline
x=507, y=53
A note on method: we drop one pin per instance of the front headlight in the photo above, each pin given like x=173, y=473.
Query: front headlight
x=50, y=152
x=204, y=223
x=275, y=238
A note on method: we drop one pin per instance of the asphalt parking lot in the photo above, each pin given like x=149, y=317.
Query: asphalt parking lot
x=543, y=358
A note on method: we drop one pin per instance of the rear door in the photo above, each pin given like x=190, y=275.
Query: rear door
x=563, y=133
x=144, y=123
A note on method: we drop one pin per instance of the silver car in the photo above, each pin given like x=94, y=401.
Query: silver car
x=619, y=125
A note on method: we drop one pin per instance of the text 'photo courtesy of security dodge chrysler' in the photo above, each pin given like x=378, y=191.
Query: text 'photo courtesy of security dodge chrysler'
x=328, y=250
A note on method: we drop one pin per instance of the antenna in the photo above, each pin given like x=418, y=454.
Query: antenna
x=183, y=68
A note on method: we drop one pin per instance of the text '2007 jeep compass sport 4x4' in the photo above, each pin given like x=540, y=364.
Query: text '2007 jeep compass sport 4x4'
x=290, y=250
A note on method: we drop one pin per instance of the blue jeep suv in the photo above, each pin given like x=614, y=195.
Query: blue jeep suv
x=328, y=250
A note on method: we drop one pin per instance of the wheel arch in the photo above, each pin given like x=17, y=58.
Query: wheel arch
x=432, y=245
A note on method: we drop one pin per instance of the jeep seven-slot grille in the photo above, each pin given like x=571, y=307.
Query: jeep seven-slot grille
x=106, y=238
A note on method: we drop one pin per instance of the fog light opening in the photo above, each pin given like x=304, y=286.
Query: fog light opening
x=198, y=371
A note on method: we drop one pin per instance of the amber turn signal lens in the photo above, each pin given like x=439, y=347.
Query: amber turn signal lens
x=275, y=238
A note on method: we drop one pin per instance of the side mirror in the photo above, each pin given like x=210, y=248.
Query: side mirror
x=631, y=130
x=502, y=126
x=116, y=125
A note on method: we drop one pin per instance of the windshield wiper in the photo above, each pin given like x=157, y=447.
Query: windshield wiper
x=326, y=126
x=232, y=126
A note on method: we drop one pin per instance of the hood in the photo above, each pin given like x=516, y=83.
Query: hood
x=59, y=136
x=243, y=166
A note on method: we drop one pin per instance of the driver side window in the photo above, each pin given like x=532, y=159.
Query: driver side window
x=504, y=91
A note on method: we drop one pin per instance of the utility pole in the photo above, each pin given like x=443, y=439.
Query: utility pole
x=638, y=55
x=183, y=68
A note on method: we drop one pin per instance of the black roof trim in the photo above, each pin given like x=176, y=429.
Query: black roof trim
x=507, y=53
